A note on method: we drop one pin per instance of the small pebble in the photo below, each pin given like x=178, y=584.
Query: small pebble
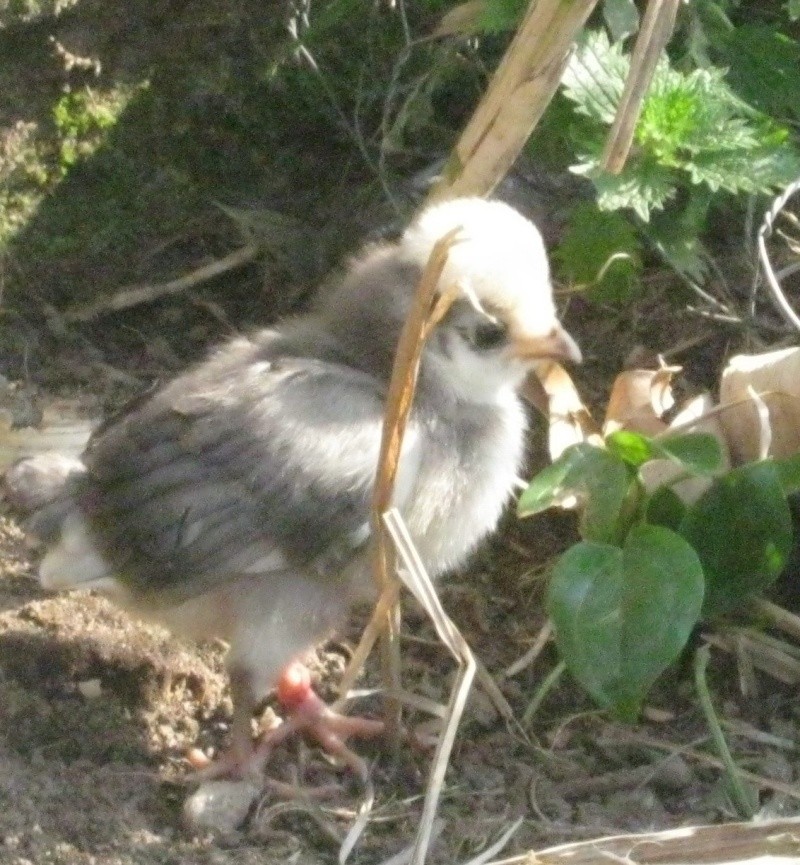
x=90, y=689
x=219, y=806
x=673, y=774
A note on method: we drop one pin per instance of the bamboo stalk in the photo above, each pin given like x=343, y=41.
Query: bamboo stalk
x=659, y=19
x=519, y=92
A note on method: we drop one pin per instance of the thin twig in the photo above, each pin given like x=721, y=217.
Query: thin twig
x=419, y=583
x=691, y=753
x=776, y=841
x=134, y=295
x=782, y=619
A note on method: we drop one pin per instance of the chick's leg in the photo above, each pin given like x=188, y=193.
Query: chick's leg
x=277, y=620
x=307, y=713
x=238, y=760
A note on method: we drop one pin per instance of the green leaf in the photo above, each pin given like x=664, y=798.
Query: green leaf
x=741, y=529
x=621, y=616
x=599, y=481
x=676, y=234
x=788, y=470
x=595, y=76
x=693, y=131
x=631, y=447
x=665, y=508
x=600, y=250
x=695, y=453
x=752, y=170
x=793, y=9
x=763, y=67
x=643, y=185
x=497, y=16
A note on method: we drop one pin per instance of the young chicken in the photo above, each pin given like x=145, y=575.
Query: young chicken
x=233, y=503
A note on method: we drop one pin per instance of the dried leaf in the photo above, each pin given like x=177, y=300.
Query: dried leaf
x=461, y=20
x=570, y=421
x=775, y=378
x=639, y=400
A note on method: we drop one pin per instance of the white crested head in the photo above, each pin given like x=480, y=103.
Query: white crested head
x=492, y=335
x=505, y=320
x=499, y=257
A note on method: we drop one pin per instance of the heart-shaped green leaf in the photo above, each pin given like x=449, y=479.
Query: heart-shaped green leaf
x=789, y=473
x=696, y=453
x=665, y=508
x=742, y=530
x=595, y=478
x=621, y=616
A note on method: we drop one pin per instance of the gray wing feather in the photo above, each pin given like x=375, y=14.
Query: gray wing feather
x=255, y=459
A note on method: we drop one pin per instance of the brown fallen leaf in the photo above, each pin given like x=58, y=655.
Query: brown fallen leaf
x=639, y=400
x=569, y=419
x=760, y=404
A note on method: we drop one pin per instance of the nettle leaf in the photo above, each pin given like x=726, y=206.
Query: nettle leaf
x=643, y=185
x=688, y=114
x=696, y=453
x=751, y=171
x=741, y=528
x=693, y=129
x=595, y=76
x=597, y=480
x=622, y=616
x=600, y=250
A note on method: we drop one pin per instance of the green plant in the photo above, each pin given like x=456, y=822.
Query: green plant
x=82, y=119
x=696, y=140
x=625, y=599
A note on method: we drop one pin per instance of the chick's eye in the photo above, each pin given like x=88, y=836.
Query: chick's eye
x=489, y=334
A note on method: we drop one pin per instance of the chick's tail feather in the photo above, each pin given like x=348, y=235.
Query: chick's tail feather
x=40, y=488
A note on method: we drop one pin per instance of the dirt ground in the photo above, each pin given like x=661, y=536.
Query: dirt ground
x=97, y=712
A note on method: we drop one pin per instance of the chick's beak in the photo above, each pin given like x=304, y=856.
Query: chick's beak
x=555, y=345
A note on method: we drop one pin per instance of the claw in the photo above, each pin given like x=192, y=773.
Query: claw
x=306, y=713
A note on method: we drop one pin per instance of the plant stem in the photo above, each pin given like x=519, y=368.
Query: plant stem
x=741, y=797
x=541, y=693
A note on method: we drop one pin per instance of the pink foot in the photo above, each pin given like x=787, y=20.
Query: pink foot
x=305, y=713
x=308, y=714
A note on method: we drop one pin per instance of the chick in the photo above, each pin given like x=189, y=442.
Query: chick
x=233, y=503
